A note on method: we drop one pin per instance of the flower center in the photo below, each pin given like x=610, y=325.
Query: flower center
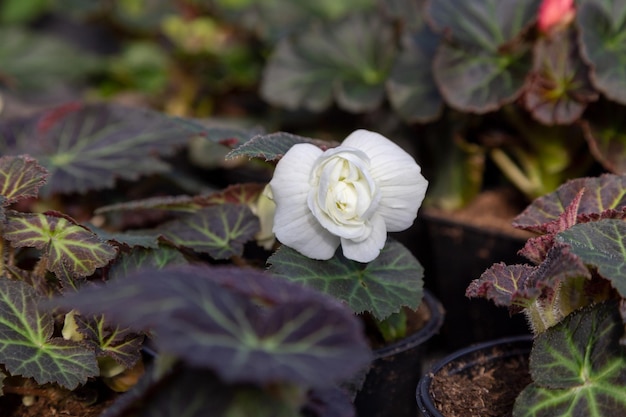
x=343, y=195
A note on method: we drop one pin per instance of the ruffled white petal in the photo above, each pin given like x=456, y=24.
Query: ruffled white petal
x=294, y=224
x=368, y=249
x=397, y=175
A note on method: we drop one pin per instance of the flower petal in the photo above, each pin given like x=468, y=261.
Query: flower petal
x=399, y=178
x=294, y=224
x=368, y=249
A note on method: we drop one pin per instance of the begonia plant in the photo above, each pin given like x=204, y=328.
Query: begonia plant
x=105, y=258
x=573, y=295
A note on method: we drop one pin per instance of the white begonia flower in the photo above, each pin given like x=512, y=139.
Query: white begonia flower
x=351, y=195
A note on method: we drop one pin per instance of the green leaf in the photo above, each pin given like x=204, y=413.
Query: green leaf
x=603, y=197
x=221, y=231
x=604, y=126
x=20, y=177
x=392, y=280
x=602, y=25
x=88, y=146
x=38, y=62
x=307, y=340
x=68, y=249
x=27, y=347
x=273, y=146
x=559, y=88
x=603, y=245
x=578, y=368
x=348, y=60
x=155, y=258
x=484, y=63
x=411, y=86
x=120, y=344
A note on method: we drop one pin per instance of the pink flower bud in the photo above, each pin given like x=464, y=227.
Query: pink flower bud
x=554, y=14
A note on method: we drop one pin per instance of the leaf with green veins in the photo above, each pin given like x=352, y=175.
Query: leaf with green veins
x=88, y=146
x=578, y=367
x=347, y=60
x=273, y=146
x=605, y=197
x=68, y=249
x=27, y=346
x=392, y=280
x=484, y=63
x=20, y=177
x=602, y=42
x=224, y=135
x=121, y=344
x=221, y=231
x=306, y=340
x=559, y=89
x=601, y=244
x=411, y=85
x=156, y=258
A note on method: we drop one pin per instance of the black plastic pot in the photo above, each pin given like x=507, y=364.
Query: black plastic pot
x=465, y=359
x=389, y=387
x=460, y=253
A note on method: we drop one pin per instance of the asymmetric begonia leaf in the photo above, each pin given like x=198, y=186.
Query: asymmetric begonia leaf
x=347, y=60
x=38, y=62
x=221, y=231
x=154, y=258
x=88, y=146
x=604, y=197
x=224, y=135
x=27, y=346
x=273, y=146
x=20, y=177
x=69, y=250
x=605, y=130
x=411, y=87
x=381, y=287
x=602, y=26
x=559, y=89
x=517, y=286
x=215, y=327
x=602, y=244
x=484, y=61
x=122, y=345
x=578, y=367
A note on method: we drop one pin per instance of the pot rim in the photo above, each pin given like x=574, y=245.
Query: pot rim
x=520, y=344
x=431, y=327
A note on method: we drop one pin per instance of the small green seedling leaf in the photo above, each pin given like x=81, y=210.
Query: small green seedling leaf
x=578, y=367
x=221, y=231
x=20, y=177
x=69, y=250
x=305, y=341
x=27, y=347
x=392, y=280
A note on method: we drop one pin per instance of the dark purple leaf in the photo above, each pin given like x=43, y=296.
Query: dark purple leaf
x=273, y=146
x=559, y=89
x=214, y=327
x=20, y=177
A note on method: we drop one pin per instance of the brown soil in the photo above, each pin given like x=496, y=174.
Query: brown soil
x=487, y=390
x=89, y=401
x=492, y=209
